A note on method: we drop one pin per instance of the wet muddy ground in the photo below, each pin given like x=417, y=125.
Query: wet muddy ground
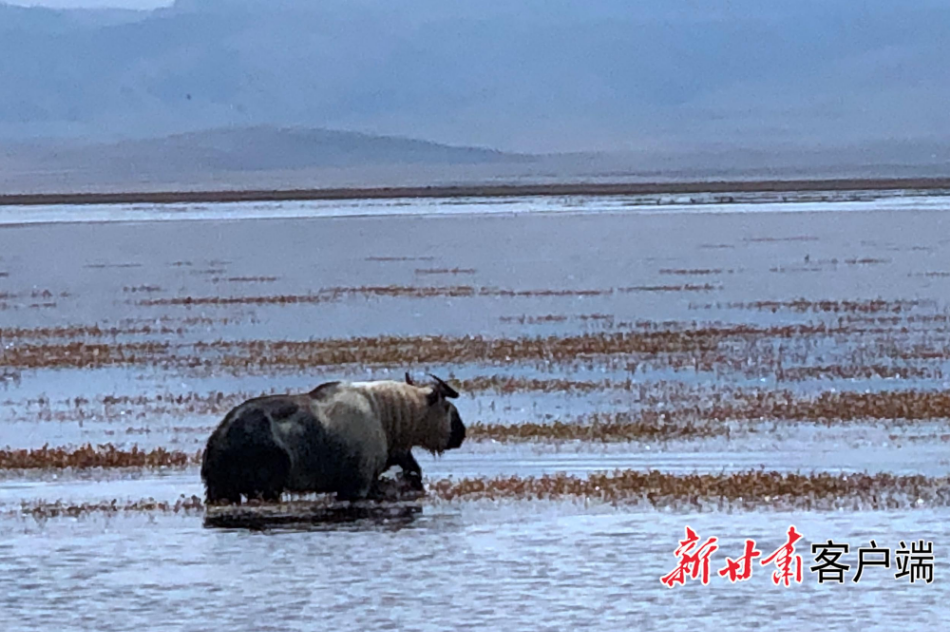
x=625, y=372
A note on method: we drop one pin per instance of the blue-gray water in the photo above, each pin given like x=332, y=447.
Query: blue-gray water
x=517, y=565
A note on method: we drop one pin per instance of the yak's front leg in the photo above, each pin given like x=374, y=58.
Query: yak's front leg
x=410, y=469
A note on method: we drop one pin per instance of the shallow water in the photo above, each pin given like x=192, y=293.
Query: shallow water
x=525, y=566
x=522, y=565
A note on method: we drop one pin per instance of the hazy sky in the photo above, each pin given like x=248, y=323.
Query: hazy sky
x=530, y=75
x=80, y=4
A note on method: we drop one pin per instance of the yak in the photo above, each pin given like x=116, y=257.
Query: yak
x=338, y=438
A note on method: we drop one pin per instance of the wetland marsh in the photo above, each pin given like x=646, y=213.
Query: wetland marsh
x=627, y=368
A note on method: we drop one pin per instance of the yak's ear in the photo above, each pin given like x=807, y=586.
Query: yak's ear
x=409, y=379
x=434, y=396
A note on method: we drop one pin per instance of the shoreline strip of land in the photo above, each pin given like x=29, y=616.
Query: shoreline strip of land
x=473, y=191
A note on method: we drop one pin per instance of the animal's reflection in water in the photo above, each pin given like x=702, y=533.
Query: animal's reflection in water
x=383, y=516
x=398, y=509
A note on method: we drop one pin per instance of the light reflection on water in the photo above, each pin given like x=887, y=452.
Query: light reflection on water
x=692, y=203
x=510, y=565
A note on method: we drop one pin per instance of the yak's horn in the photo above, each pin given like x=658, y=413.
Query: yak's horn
x=447, y=390
x=409, y=379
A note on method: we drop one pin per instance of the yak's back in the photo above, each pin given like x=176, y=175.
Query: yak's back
x=326, y=391
x=347, y=410
x=275, y=407
x=340, y=403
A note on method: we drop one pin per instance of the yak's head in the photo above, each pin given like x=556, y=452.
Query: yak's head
x=445, y=430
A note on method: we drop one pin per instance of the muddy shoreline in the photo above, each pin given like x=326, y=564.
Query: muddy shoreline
x=476, y=191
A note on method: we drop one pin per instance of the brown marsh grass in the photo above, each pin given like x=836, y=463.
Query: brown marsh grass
x=932, y=274
x=655, y=412
x=85, y=331
x=135, y=289
x=601, y=428
x=534, y=320
x=747, y=349
x=102, y=266
x=687, y=287
x=750, y=490
x=246, y=279
x=88, y=457
x=42, y=509
x=694, y=271
x=857, y=371
x=870, y=306
x=394, y=259
x=865, y=261
x=753, y=489
x=754, y=240
x=456, y=270
x=699, y=420
x=327, y=295
x=82, y=354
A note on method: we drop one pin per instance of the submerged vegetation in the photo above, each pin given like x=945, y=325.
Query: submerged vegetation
x=88, y=457
x=563, y=366
x=750, y=490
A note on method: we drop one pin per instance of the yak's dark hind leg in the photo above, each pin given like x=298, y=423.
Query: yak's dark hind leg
x=220, y=478
x=246, y=461
x=351, y=491
x=267, y=470
x=272, y=496
x=226, y=483
x=350, y=483
x=215, y=495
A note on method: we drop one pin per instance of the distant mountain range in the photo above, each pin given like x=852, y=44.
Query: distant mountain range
x=249, y=149
x=232, y=152
x=269, y=157
x=537, y=76
x=236, y=91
